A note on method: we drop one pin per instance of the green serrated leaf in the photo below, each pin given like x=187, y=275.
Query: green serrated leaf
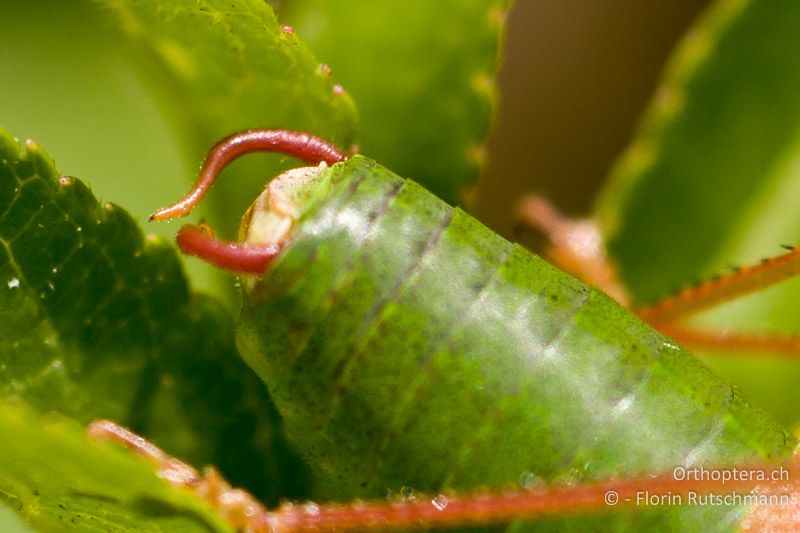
x=711, y=180
x=98, y=322
x=55, y=478
x=224, y=66
x=422, y=74
x=719, y=136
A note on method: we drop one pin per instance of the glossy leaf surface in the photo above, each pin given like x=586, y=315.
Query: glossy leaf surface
x=96, y=321
x=56, y=478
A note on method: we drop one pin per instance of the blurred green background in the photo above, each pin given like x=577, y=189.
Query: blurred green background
x=575, y=79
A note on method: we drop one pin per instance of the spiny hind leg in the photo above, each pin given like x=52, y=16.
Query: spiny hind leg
x=236, y=506
x=666, y=314
x=577, y=247
x=481, y=508
x=711, y=293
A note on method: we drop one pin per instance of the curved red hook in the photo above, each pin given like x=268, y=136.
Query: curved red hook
x=229, y=255
x=195, y=241
x=303, y=146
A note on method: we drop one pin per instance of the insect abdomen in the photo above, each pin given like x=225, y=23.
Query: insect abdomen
x=407, y=345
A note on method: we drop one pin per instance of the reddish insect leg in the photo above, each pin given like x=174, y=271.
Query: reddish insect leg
x=723, y=289
x=243, y=512
x=578, y=249
x=667, y=313
x=240, y=257
x=493, y=508
x=733, y=341
x=236, y=506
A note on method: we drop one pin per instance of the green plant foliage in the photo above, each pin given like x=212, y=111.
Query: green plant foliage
x=422, y=74
x=711, y=180
x=55, y=478
x=223, y=66
x=97, y=322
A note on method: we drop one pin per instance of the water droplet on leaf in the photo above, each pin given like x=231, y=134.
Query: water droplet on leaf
x=440, y=502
